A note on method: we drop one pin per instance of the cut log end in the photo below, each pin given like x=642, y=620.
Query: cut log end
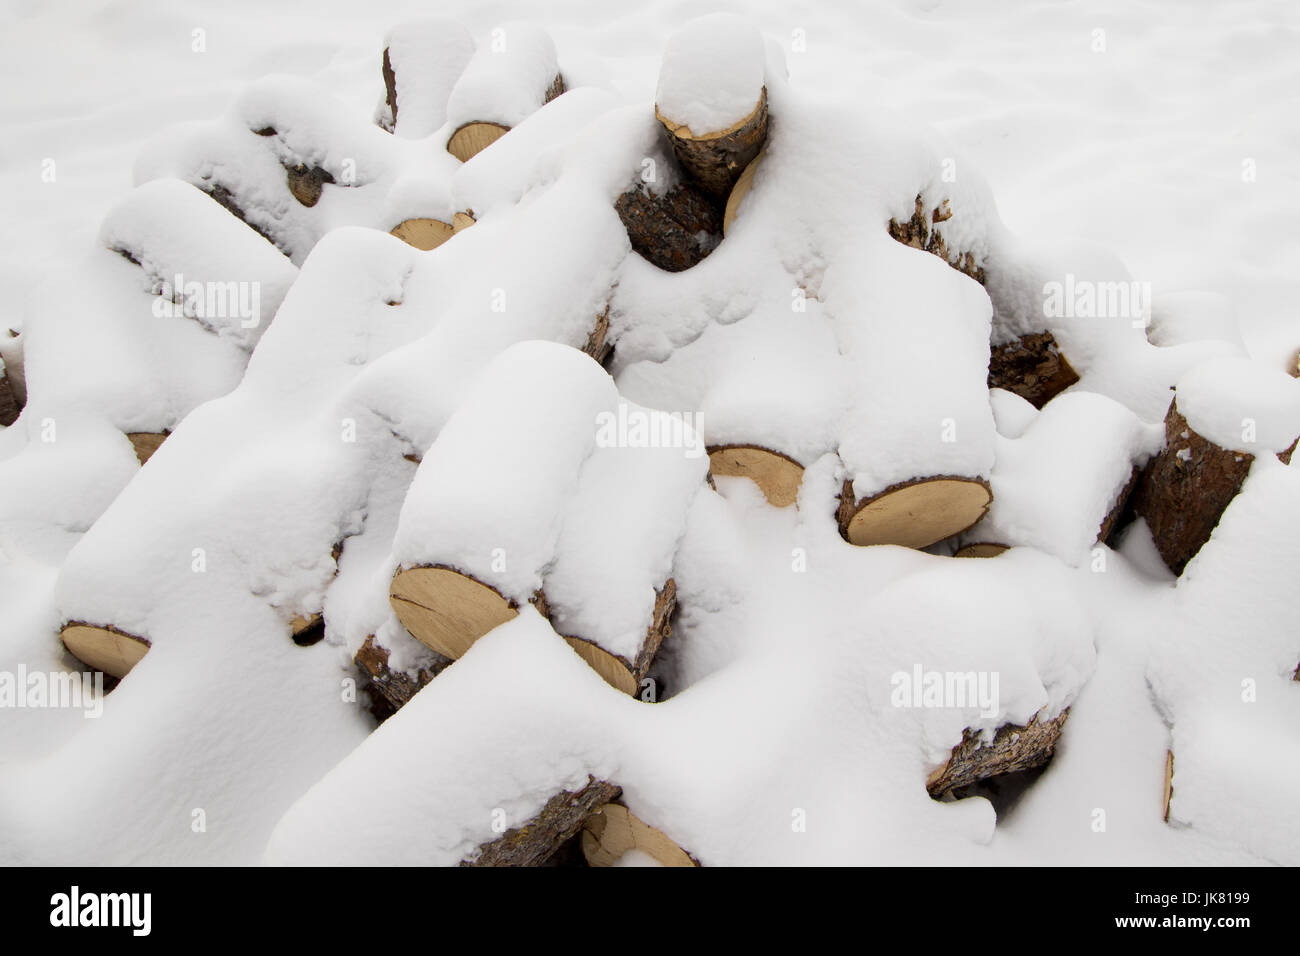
x=104, y=648
x=461, y=221
x=1014, y=747
x=306, y=184
x=472, y=138
x=146, y=443
x=915, y=514
x=423, y=234
x=1032, y=367
x=714, y=159
x=445, y=610
x=776, y=475
x=980, y=549
x=622, y=674
x=613, y=831
x=560, y=818
x=738, y=193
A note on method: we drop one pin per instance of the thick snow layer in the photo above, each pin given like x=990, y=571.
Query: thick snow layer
x=506, y=79
x=427, y=57
x=712, y=73
x=776, y=686
x=1056, y=482
x=1222, y=671
x=1241, y=405
x=231, y=280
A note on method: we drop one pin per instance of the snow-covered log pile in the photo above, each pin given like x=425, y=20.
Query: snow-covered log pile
x=554, y=473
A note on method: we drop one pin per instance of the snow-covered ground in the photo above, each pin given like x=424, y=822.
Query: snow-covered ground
x=1164, y=132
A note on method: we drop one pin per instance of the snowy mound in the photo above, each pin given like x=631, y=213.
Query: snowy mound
x=705, y=479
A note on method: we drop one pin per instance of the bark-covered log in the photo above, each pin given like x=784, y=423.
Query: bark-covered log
x=1014, y=747
x=536, y=841
x=920, y=233
x=614, y=830
x=914, y=514
x=777, y=476
x=673, y=231
x=9, y=407
x=1184, y=490
x=1032, y=367
x=714, y=159
x=391, y=690
x=597, y=344
x=305, y=184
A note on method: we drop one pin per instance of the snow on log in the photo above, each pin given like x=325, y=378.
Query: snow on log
x=549, y=772
x=712, y=99
x=1060, y=485
x=231, y=280
x=474, y=545
x=917, y=459
x=614, y=831
x=1225, y=412
x=515, y=75
x=422, y=60
x=1014, y=748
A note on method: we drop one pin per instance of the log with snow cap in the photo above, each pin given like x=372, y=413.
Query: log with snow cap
x=270, y=159
x=531, y=501
x=1226, y=412
x=1059, y=484
x=918, y=436
x=712, y=98
x=277, y=452
x=514, y=73
x=423, y=58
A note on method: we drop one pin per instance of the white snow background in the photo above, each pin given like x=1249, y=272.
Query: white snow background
x=1173, y=146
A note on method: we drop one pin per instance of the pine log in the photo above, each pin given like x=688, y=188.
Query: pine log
x=1032, y=366
x=919, y=232
x=447, y=611
x=423, y=234
x=714, y=159
x=560, y=818
x=390, y=690
x=470, y=139
x=1014, y=747
x=777, y=476
x=614, y=830
x=103, y=647
x=916, y=513
x=1184, y=490
x=146, y=443
x=673, y=231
